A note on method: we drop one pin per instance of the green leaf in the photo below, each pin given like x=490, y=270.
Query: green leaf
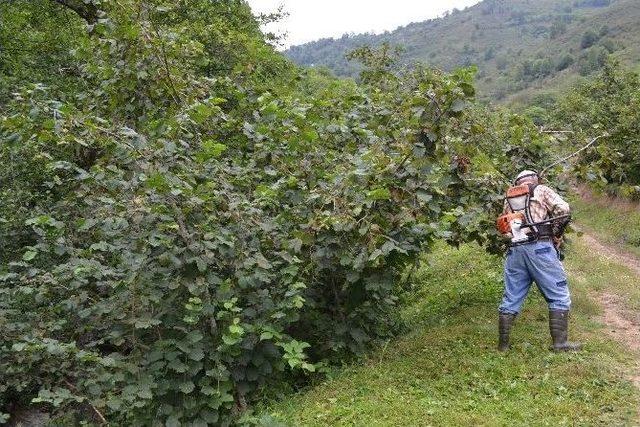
x=177, y=366
x=187, y=387
x=266, y=336
x=236, y=329
x=29, y=255
x=202, y=265
x=230, y=340
x=458, y=105
x=468, y=89
x=379, y=194
x=197, y=354
x=388, y=247
x=173, y=421
x=210, y=150
x=310, y=135
x=145, y=393
x=100, y=246
x=195, y=337
x=158, y=182
x=146, y=323
x=375, y=255
x=208, y=390
x=424, y=196
x=19, y=346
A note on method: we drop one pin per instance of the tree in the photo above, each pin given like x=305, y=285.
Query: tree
x=189, y=220
x=489, y=54
x=592, y=60
x=557, y=28
x=607, y=103
x=87, y=10
x=589, y=39
x=565, y=62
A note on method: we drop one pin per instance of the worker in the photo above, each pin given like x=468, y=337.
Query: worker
x=535, y=258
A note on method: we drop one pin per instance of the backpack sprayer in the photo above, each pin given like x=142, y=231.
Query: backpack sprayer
x=518, y=223
x=515, y=223
x=518, y=198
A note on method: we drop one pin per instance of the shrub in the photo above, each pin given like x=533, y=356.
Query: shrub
x=589, y=39
x=565, y=62
x=558, y=28
x=502, y=62
x=536, y=69
x=183, y=234
x=608, y=103
x=592, y=60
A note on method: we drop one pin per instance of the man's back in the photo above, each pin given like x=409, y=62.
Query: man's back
x=544, y=203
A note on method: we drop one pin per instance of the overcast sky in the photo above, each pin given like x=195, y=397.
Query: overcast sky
x=314, y=19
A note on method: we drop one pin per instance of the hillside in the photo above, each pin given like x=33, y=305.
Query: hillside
x=522, y=48
x=196, y=229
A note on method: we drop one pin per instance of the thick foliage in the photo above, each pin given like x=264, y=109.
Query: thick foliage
x=177, y=240
x=608, y=104
x=35, y=46
x=185, y=267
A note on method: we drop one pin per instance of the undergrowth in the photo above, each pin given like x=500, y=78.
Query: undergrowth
x=447, y=371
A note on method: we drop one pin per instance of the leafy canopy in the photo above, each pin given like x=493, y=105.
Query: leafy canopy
x=190, y=219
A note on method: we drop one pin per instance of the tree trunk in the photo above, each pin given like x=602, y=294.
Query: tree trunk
x=88, y=12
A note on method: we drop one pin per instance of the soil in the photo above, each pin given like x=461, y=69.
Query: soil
x=621, y=323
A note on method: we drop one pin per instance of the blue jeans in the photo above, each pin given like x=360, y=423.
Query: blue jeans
x=534, y=262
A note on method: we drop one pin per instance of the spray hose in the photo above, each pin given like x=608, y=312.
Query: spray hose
x=564, y=159
x=546, y=221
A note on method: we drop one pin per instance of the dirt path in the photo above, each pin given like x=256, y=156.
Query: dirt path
x=621, y=324
x=612, y=253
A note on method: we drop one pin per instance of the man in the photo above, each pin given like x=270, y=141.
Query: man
x=537, y=261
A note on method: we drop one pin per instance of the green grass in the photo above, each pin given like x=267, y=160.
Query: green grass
x=615, y=222
x=447, y=372
x=612, y=222
x=603, y=276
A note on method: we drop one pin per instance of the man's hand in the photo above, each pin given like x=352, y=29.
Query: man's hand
x=558, y=242
x=559, y=227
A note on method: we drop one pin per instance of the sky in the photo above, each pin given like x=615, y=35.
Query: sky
x=310, y=20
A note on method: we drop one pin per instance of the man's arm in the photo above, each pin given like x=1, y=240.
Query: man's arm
x=554, y=204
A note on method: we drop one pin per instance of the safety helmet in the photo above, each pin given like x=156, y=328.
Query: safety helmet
x=525, y=174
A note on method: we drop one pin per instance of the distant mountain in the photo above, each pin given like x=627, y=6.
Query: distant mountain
x=523, y=48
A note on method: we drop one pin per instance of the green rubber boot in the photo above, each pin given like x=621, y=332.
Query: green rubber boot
x=559, y=328
x=505, y=321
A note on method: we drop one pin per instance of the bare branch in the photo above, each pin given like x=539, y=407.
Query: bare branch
x=87, y=11
x=556, y=131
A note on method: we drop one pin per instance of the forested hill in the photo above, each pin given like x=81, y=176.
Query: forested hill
x=522, y=48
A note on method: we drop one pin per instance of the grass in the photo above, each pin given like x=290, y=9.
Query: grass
x=447, y=372
x=603, y=276
x=615, y=222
